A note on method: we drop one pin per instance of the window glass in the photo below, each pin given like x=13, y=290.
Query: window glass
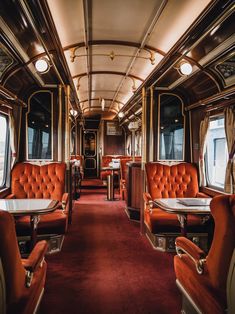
x=39, y=120
x=171, y=128
x=3, y=149
x=216, y=153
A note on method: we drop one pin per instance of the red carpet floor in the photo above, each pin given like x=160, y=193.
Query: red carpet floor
x=106, y=266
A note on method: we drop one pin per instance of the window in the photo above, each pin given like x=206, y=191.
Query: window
x=39, y=130
x=171, y=128
x=216, y=153
x=3, y=148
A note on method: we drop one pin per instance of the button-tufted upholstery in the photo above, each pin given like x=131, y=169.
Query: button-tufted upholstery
x=47, y=181
x=176, y=181
x=172, y=181
x=33, y=181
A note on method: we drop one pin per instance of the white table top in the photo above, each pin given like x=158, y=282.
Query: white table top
x=174, y=205
x=28, y=206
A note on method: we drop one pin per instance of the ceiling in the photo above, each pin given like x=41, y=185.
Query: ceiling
x=111, y=47
x=107, y=50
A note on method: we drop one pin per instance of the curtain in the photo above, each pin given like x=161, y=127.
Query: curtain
x=128, y=145
x=13, y=139
x=203, y=131
x=229, y=125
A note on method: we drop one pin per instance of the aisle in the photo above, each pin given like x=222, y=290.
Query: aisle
x=107, y=267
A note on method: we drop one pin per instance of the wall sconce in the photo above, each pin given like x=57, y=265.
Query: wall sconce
x=73, y=112
x=133, y=126
x=42, y=65
x=185, y=68
x=121, y=114
x=102, y=104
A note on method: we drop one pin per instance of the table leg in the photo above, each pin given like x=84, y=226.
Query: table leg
x=34, y=220
x=183, y=224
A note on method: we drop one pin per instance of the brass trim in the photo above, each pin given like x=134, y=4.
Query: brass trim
x=52, y=125
x=191, y=136
x=67, y=126
x=60, y=148
x=151, y=135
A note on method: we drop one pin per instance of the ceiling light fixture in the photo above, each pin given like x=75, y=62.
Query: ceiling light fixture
x=102, y=104
x=73, y=112
x=121, y=114
x=185, y=68
x=133, y=126
x=214, y=30
x=42, y=65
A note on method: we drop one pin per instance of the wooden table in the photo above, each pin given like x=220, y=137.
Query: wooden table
x=183, y=207
x=29, y=207
x=110, y=185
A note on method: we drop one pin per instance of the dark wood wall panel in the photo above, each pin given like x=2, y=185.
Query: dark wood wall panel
x=114, y=144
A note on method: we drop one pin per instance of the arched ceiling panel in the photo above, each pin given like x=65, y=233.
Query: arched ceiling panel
x=133, y=15
x=69, y=20
x=78, y=66
x=144, y=67
x=121, y=57
x=171, y=25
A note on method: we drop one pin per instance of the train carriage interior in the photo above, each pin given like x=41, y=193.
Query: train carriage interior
x=117, y=156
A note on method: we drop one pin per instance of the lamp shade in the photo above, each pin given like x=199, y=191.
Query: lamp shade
x=185, y=68
x=42, y=65
x=133, y=126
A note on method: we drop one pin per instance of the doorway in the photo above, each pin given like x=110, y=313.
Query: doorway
x=90, y=153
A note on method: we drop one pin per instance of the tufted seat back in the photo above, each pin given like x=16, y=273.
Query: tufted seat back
x=33, y=181
x=163, y=181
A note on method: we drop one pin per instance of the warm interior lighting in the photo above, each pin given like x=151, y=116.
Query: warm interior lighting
x=121, y=114
x=73, y=112
x=102, y=104
x=214, y=30
x=133, y=126
x=185, y=68
x=42, y=65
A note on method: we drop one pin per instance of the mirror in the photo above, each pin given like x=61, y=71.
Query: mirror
x=89, y=144
x=171, y=128
x=39, y=126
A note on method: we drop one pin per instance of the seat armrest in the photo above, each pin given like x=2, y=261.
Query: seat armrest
x=65, y=198
x=202, y=195
x=147, y=198
x=184, y=245
x=10, y=196
x=36, y=257
x=148, y=201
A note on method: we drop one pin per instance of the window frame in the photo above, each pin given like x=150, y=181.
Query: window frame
x=211, y=186
x=7, y=150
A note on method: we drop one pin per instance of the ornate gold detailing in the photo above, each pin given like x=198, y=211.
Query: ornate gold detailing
x=112, y=55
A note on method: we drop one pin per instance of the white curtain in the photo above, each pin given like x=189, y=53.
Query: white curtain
x=13, y=139
x=128, y=145
x=229, y=124
x=203, y=131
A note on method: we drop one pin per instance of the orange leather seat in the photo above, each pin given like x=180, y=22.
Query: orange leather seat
x=22, y=280
x=176, y=181
x=47, y=181
x=105, y=160
x=202, y=279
